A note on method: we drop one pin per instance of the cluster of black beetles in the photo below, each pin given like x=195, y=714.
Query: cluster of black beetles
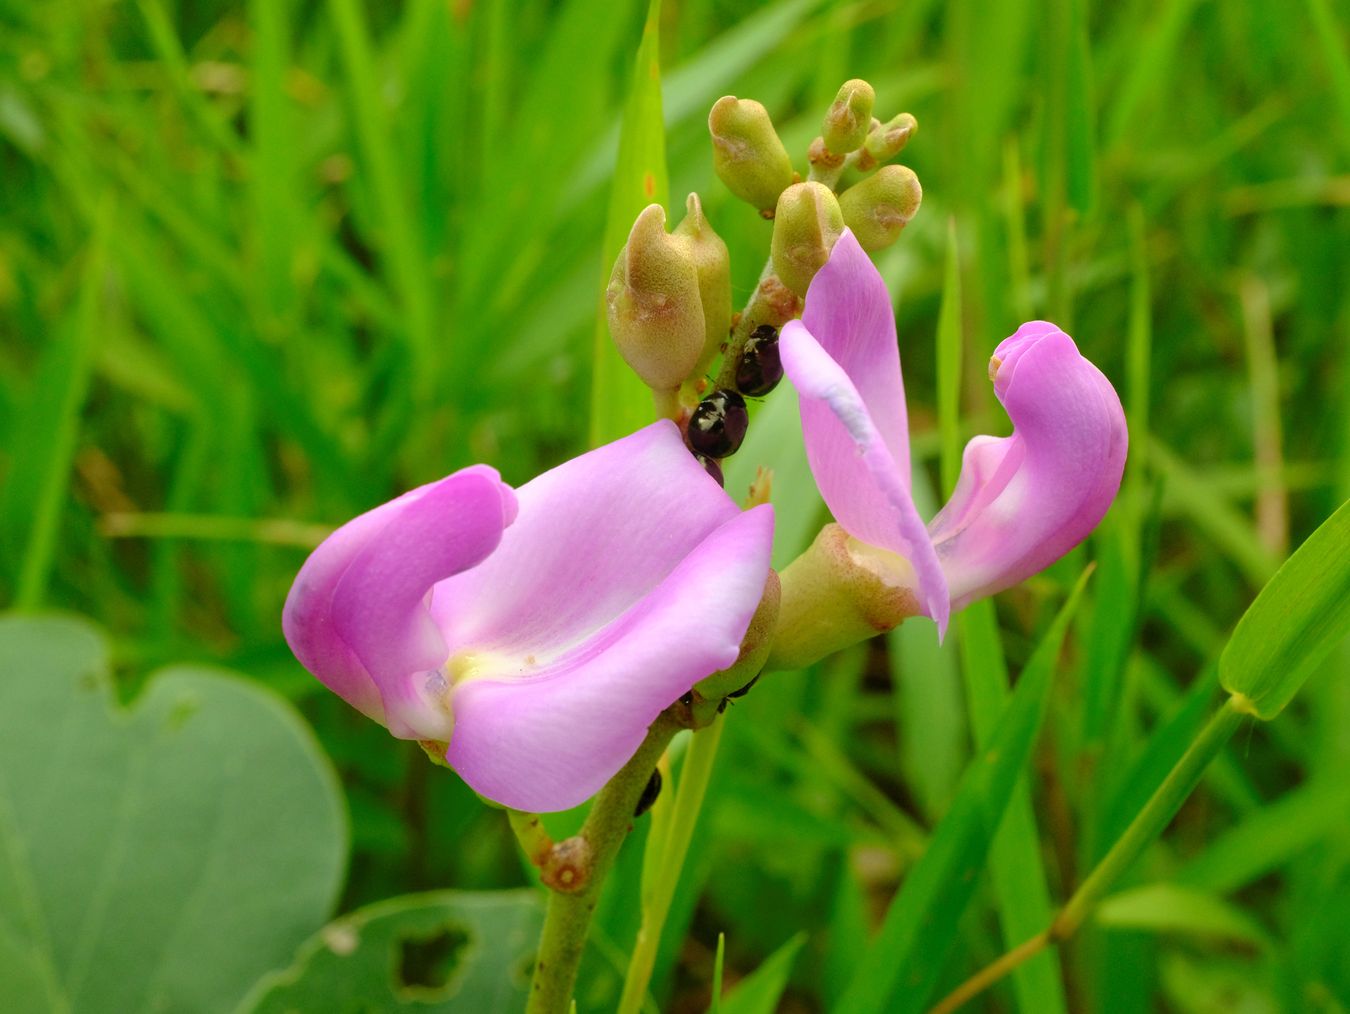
x=718, y=424
x=716, y=430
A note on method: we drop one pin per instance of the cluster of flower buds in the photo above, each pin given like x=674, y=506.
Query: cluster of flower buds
x=669, y=297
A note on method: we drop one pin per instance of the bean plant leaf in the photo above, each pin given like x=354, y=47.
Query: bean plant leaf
x=440, y=950
x=157, y=857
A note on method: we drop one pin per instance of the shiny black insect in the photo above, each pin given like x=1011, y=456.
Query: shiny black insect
x=711, y=466
x=745, y=689
x=722, y=705
x=760, y=367
x=649, y=794
x=718, y=424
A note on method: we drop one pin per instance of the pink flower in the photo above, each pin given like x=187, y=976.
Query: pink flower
x=540, y=631
x=1021, y=502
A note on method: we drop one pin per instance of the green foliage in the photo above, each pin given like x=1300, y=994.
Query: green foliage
x=1296, y=621
x=159, y=857
x=440, y=951
x=902, y=963
x=265, y=265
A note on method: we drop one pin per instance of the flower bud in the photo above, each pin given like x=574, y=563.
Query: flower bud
x=835, y=595
x=655, y=314
x=713, y=267
x=888, y=139
x=880, y=206
x=748, y=155
x=806, y=224
x=849, y=118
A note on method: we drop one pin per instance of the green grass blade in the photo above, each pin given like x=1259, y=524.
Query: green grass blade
x=1299, y=617
x=949, y=348
x=401, y=249
x=620, y=402
x=1015, y=863
x=760, y=991
x=902, y=965
x=1271, y=836
x=54, y=428
x=1335, y=52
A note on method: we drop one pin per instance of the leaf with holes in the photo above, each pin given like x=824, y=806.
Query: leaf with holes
x=443, y=950
x=159, y=857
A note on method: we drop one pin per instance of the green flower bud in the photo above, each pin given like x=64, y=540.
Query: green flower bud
x=713, y=266
x=748, y=155
x=655, y=314
x=849, y=118
x=880, y=206
x=835, y=595
x=886, y=140
x=806, y=224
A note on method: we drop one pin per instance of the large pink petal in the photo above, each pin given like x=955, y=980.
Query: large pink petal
x=355, y=616
x=550, y=737
x=848, y=311
x=593, y=537
x=1024, y=501
x=862, y=473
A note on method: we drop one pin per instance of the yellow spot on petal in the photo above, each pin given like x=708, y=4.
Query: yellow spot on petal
x=994, y=363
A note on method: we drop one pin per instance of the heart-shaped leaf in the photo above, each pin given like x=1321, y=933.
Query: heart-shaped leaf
x=160, y=857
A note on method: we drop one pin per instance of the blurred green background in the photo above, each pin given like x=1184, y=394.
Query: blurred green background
x=265, y=265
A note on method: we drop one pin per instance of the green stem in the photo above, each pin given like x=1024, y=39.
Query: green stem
x=771, y=303
x=1153, y=819
x=568, y=918
x=529, y=831
x=668, y=860
x=1147, y=825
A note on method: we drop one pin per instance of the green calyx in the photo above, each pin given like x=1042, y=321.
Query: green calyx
x=654, y=305
x=879, y=207
x=748, y=155
x=837, y=593
x=806, y=224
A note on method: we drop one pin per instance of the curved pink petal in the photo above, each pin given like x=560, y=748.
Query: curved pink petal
x=548, y=738
x=355, y=616
x=843, y=360
x=1024, y=501
x=593, y=536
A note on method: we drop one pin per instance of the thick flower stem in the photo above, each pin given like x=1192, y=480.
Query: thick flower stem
x=1150, y=822
x=568, y=918
x=694, y=779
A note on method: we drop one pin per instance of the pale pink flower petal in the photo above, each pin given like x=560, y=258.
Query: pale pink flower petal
x=538, y=632
x=842, y=359
x=355, y=617
x=550, y=737
x=1024, y=501
x=593, y=536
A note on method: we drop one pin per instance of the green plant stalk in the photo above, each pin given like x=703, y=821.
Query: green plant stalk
x=668, y=860
x=568, y=919
x=1147, y=825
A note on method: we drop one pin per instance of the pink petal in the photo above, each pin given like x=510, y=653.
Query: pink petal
x=593, y=536
x=550, y=739
x=355, y=616
x=1024, y=501
x=843, y=360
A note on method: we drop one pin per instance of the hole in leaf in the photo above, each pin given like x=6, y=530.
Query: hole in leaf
x=426, y=963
